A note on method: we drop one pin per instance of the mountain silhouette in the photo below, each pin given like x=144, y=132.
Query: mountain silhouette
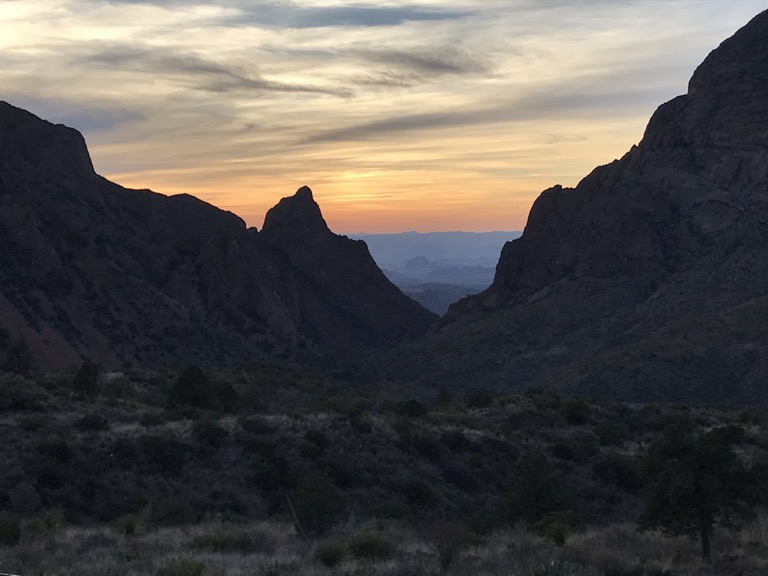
x=89, y=269
x=649, y=279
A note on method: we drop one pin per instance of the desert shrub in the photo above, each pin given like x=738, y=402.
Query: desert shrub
x=56, y=449
x=480, y=398
x=209, y=434
x=45, y=523
x=389, y=510
x=128, y=524
x=459, y=474
x=558, y=568
x=369, y=546
x=24, y=499
x=575, y=411
x=618, y=470
x=175, y=511
x=20, y=394
x=447, y=537
x=163, y=453
x=86, y=379
x=10, y=529
x=91, y=423
x=181, y=567
x=555, y=526
x=411, y=409
x=311, y=451
x=318, y=505
x=317, y=438
x=418, y=492
x=611, y=433
x=227, y=541
x=456, y=441
x=330, y=553
x=536, y=490
x=193, y=388
x=151, y=419
x=256, y=424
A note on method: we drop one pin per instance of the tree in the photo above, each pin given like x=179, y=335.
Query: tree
x=86, y=380
x=694, y=482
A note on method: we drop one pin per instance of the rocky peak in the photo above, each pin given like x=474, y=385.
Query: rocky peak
x=296, y=216
x=42, y=150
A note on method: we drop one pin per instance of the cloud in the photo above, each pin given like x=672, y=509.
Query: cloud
x=203, y=73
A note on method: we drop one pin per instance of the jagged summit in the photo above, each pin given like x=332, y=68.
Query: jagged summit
x=297, y=215
x=649, y=279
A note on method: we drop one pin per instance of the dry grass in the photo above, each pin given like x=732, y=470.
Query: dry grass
x=617, y=550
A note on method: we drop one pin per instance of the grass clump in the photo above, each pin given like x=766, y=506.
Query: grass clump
x=240, y=542
x=181, y=567
x=330, y=553
x=369, y=546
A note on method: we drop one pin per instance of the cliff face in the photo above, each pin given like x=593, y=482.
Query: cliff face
x=650, y=278
x=89, y=269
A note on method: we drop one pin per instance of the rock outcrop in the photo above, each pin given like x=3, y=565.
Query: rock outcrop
x=649, y=280
x=89, y=269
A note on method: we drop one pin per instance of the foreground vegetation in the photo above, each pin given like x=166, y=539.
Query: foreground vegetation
x=279, y=470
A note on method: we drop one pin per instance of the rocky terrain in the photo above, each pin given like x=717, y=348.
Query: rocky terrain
x=89, y=269
x=649, y=280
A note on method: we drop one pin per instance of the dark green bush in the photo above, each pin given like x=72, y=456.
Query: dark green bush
x=330, y=554
x=91, y=423
x=10, y=529
x=369, y=546
x=411, y=409
x=576, y=412
x=317, y=438
x=86, y=379
x=318, y=504
x=480, y=398
x=209, y=434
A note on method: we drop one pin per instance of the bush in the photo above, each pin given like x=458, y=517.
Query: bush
x=91, y=423
x=447, y=538
x=182, y=567
x=330, y=554
x=86, y=380
x=209, y=434
x=411, y=409
x=128, y=524
x=480, y=398
x=317, y=504
x=368, y=546
x=225, y=541
x=10, y=529
x=575, y=412
x=558, y=568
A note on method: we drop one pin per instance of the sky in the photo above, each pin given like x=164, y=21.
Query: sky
x=427, y=115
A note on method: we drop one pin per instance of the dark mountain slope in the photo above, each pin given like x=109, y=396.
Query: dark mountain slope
x=90, y=269
x=649, y=280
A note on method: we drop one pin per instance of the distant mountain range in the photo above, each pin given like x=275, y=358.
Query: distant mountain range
x=438, y=268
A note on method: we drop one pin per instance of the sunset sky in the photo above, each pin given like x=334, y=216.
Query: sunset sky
x=428, y=115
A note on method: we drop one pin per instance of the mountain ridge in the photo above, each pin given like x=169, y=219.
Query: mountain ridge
x=647, y=280
x=125, y=277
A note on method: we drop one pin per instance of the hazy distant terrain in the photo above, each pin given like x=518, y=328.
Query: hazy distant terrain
x=438, y=268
